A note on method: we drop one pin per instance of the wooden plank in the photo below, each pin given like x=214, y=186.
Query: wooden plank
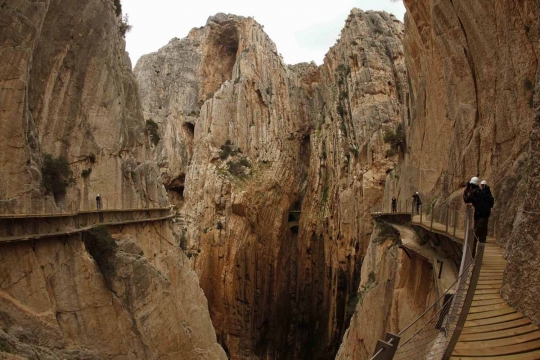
x=511, y=340
x=499, y=334
x=494, y=320
x=491, y=313
x=534, y=355
x=484, y=287
x=479, y=309
x=482, y=282
x=486, y=291
x=496, y=327
x=499, y=350
x=488, y=302
x=486, y=297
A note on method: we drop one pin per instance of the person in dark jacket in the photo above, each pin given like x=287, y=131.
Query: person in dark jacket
x=394, y=204
x=482, y=210
x=487, y=192
x=98, y=202
x=416, y=202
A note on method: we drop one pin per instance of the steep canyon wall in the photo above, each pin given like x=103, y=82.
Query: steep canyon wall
x=67, y=89
x=274, y=169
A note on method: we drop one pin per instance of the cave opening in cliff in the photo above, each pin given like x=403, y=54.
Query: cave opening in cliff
x=190, y=129
x=176, y=189
x=219, y=62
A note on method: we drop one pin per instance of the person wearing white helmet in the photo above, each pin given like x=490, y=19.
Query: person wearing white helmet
x=487, y=192
x=98, y=202
x=416, y=202
x=482, y=209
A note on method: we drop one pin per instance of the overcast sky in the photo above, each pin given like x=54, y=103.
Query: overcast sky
x=303, y=30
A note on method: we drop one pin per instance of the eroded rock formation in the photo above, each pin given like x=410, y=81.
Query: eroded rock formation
x=67, y=89
x=56, y=302
x=275, y=169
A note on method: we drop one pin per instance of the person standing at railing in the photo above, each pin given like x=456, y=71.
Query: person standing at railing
x=487, y=192
x=416, y=202
x=482, y=210
x=98, y=202
x=394, y=204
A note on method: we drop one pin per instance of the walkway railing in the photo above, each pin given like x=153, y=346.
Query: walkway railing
x=22, y=227
x=434, y=334
x=10, y=208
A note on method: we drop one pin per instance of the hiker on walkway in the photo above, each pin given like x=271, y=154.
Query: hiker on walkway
x=482, y=204
x=98, y=202
x=394, y=204
x=416, y=202
x=487, y=192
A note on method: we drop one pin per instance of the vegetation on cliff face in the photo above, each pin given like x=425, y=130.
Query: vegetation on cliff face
x=396, y=140
x=56, y=175
x=102, y=247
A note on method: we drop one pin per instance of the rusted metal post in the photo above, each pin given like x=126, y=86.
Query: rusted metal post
x=455, y=223
x=440, y=269
x=432, y=216
x=446, y=220
x=385, y=350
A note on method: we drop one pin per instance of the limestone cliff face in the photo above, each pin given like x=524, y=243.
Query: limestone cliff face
x=56, y=302
x=472, y=75
x=67, y=90
x=394, y=290
x=469, y=111
x=521, y=281
x=275, y=168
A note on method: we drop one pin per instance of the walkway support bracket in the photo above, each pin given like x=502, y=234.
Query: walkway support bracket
x=385, y=350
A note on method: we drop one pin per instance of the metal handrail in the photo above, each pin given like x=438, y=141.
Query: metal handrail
x=432, y=342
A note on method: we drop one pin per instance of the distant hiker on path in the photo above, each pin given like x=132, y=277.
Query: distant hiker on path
x=416, y=202
x=394, y=204
x=98, y=202
x=483, y=201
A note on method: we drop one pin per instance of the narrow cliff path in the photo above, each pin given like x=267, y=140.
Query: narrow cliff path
x=493, y=329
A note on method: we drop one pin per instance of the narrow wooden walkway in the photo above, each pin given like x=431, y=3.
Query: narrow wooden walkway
x=494, y=329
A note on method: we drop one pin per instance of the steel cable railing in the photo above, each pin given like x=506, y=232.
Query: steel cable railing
x=434, y=333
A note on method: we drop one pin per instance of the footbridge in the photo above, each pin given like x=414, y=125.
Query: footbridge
x=470, y=320
x=26, y=227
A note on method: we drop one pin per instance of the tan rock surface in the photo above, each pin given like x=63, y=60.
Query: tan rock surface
x=57, y=303
x=472, y=73
x=67, y=89
x=521, y=287
x=277, y=282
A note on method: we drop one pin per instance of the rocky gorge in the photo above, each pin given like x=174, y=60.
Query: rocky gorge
x=272, y=171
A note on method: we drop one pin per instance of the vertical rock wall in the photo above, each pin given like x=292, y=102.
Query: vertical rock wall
x=67, y=90
x=522, y=276
x=57, y=303
x=471, y=75
x=276, y=172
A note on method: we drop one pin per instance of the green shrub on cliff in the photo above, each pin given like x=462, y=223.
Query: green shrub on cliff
x=56, y=175
x=152, y=129
x=102, y=247
x=396, y=140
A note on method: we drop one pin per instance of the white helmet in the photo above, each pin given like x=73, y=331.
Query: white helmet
x=417, y=193
x=474, y=180
x=484, y=182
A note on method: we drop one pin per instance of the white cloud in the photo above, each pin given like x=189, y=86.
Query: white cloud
x=303, y=30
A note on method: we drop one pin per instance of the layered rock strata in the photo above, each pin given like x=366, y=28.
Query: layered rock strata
x=275, y=169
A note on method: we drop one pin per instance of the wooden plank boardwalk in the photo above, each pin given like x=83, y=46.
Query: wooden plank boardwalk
x=493, y=329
